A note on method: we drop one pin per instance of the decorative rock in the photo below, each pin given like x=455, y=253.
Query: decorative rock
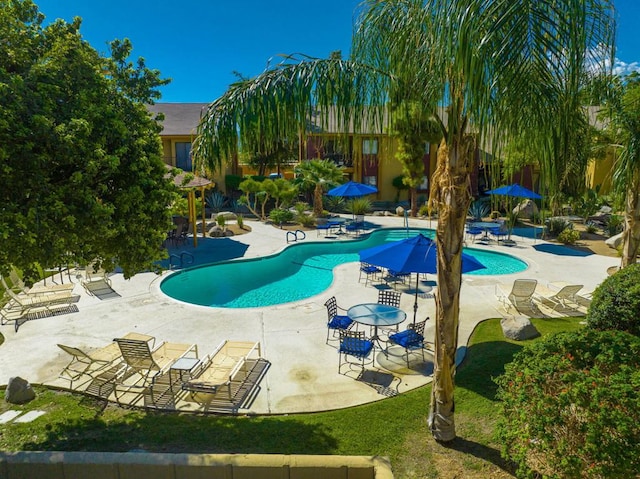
x=526, y=209
x=614, y=242
x=400, y=211
x=518, y=328
x=19, y=391
x=216, y=232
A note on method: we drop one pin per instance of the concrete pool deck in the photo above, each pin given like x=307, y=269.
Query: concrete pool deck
x=303, y=373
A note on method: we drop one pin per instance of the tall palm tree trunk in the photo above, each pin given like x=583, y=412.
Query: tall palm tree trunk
x=317, y=200
x=451, y=194
x=631, y=235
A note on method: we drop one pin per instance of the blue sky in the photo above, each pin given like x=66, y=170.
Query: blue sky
x=200, y=43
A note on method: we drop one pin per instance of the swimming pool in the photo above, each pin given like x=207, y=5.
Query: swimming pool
x=298, y=272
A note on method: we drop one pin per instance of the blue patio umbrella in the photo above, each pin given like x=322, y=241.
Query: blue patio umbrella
x=412, y=255
x=352, y=189
x=516, y=191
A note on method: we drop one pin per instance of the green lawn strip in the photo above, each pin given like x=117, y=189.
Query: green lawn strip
x=75, y=422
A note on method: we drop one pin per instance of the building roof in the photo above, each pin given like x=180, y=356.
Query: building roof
x=179, y=118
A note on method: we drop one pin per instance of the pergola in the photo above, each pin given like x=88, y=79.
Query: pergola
x=191, y=186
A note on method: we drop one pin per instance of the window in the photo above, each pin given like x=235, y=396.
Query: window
x=370, y=180
x=183, y=156
x=370, y=146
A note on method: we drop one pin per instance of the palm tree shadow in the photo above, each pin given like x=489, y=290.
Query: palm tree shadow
x=482, y=452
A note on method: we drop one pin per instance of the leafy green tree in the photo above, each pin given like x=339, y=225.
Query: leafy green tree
x=81, y=175
x=319, y=175
x=251, y=190
x=484, y=64
x=569, y=406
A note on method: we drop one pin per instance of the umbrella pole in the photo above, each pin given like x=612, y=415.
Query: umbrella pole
x=415, y=304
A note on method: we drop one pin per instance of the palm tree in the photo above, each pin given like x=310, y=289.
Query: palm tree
x=479, y=67
x=622, y=107
x=319, y=175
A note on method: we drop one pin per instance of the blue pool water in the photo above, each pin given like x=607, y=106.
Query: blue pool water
x=300, y=271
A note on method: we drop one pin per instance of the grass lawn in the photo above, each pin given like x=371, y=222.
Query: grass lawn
x=395, y=427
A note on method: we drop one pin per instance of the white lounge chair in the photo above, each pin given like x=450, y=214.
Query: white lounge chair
x=519, y=296
x=565, y=299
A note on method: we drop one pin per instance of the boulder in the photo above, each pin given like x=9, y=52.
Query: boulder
x=400, y=211
x=614, y=242
x=526, y=209
x=19, y=391
x=216, y=232
x=518, y=328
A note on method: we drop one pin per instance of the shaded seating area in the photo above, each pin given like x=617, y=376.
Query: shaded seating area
x=86, y=364
x=18, y=283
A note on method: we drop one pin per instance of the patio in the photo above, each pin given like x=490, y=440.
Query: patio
x=303, y=371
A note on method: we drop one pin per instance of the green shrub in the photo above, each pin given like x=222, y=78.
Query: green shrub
x=232, y=182
x=616, y=302
x=240, y=221
x=280, y=216
x=221, y=220
x=570, y=406
x=306, y=220
x=569, y=236
x=423, y=211
x=535, y=217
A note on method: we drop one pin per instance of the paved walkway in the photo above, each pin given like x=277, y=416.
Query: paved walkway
x=303, y=375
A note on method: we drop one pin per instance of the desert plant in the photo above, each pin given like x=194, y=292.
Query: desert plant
x=215, y=200
x=335, y=203
x=569, y=236
x=535, y=217
x=359, y=206
x=614, y=225
x=569, y=406
x=555, y=226
x=479, y=209
x=306, y=220
x=591, y=227
x=240, y=221
x=616, y=302
x=221, y=220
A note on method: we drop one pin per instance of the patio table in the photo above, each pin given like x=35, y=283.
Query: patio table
x=375, y=314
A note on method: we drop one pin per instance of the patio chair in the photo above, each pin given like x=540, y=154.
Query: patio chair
x=519, y=297
x=410, y=339
x=565, y=298
x=17, y=282
x=226, y=376
x=473, y=233
x=355, y=226
x=354, y=345
x=88, y=363
x=391, y=298
x=19, y=307
x=142, y=364
x=335, y=321
x=369, y=271
x=96, y=282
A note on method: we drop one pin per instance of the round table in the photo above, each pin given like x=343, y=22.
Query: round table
x=375, y=314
